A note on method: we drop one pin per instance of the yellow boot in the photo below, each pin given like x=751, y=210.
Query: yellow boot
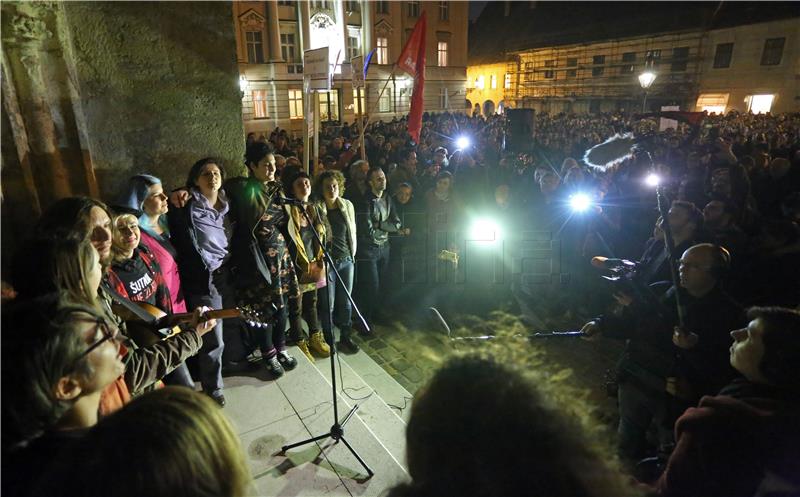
x=318, y=345
x=302, y=344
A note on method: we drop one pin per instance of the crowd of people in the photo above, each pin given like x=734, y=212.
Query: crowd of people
x=114, y=301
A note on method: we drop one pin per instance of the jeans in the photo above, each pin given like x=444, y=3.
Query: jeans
x=209, y=358
x=333, y=301
x=180, y=376
x=371, y=269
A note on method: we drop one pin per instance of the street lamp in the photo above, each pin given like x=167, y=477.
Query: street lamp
x=645, y=80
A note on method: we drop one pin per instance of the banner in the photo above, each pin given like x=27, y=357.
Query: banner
x=412, y=61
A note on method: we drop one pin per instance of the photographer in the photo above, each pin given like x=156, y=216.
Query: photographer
x=654, y=342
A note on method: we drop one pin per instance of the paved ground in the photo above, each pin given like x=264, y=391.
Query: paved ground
x=411, y=354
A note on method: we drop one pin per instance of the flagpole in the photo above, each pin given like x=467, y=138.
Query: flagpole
x=377, y=101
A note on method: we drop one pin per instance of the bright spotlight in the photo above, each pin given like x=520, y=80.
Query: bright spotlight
x=484, y=230
x=580, y=202
x=462, y=142
x=652, y=180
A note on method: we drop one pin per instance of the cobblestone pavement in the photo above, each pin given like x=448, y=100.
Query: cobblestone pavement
x=412, y=354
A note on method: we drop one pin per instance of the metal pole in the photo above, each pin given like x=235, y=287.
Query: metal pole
x=644, y=102
x=316, y=131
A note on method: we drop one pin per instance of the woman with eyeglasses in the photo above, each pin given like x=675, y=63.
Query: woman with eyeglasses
x=63, y=356
x=67, y=254
x=144, y=196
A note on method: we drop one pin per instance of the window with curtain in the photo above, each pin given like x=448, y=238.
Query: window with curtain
x=260, y=104
x=442, y=51
x=382, y=45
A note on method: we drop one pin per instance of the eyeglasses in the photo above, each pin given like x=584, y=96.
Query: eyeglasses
x=693, y=266
x=108, y=330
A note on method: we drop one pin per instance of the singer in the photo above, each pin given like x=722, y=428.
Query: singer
x=264, y=273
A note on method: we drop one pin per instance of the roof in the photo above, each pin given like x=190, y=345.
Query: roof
x=541, y=24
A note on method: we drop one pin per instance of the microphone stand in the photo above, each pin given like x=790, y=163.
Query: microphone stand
x=337, y=429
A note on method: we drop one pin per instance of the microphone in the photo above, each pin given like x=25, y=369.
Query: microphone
x=608, y=263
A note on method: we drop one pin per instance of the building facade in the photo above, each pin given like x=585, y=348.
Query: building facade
x=272, y=36
x=746, y=68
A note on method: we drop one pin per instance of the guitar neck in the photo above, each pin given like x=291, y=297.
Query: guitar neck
x=185, y=317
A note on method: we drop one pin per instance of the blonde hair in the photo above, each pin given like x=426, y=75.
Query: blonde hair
x=172, y=441
x=116, y=253
x=71, y=273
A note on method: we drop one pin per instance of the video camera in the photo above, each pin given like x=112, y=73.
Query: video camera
x=625, y=278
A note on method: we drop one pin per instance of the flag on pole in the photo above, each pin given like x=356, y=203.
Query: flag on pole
x=412, y=61
x=367, y=62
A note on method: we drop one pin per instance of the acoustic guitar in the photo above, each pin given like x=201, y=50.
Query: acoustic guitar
x=158, y=325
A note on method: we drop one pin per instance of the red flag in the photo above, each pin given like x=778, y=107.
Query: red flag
x=412, y=61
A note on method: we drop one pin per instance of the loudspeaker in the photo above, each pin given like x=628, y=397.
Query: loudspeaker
x=519, y=130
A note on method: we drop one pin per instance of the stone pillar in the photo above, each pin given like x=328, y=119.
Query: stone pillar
x=274, y=32
x=28, y=36
x=302, y=19
x=367, y=28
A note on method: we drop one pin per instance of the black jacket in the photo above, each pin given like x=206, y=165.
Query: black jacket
x=375, y=219
x=650, y=356
x=249, y=200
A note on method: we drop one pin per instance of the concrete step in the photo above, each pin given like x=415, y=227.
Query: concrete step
x=271, y=413
x=382, y=401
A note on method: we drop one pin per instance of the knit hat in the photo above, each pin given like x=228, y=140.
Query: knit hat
x=136, y=192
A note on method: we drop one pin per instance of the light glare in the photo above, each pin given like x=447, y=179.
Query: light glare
x=653, y=180
x=462, y=142
x=580, y=202
x=484, y=230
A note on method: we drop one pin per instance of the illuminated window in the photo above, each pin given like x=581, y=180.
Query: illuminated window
x=359, y=104
x=493, y=82
x=442, y=49
x=760, y=104
x=255, y=47
x=712, y=102
x=382, y=50
x=260, y=104
x=480, y=82
x=329, y=105
x=507, y=82
x=295, y=104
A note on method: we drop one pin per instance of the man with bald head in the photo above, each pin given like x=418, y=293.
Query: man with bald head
x=661, y=357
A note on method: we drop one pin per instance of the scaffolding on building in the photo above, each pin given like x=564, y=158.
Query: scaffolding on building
x=602, y=76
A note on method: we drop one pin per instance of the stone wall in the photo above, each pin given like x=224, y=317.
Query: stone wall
x=94, y=92
x=158, y=84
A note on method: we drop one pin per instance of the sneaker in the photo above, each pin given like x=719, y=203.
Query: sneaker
x=348, y=346
x=318, y=345
x=274, y=367
x=288, y=362
x=303, y=346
